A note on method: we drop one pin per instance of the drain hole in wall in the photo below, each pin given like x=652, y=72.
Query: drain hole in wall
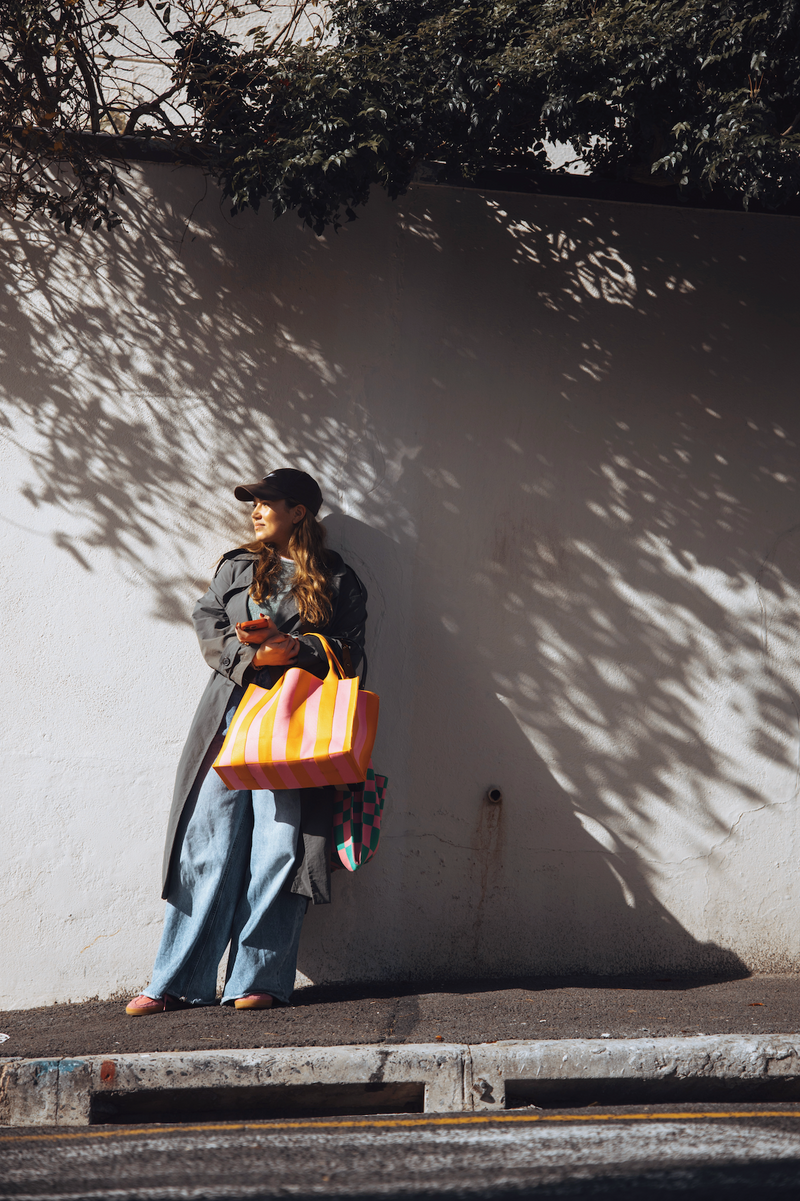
x=572, y=1094
x=255, y=1102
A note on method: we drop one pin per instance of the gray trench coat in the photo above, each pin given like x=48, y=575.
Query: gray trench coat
x=214, y=617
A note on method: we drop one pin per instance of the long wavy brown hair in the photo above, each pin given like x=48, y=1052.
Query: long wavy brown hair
x=312, y=574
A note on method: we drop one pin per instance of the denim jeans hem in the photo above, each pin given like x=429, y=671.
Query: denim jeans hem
x=235, y=852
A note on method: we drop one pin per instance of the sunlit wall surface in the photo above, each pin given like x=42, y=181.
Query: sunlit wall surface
x=557, y=439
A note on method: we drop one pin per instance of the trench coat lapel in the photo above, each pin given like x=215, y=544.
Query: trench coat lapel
x=236, y=598
x=237, y=605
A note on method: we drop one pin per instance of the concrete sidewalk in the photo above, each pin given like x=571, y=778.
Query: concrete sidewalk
x=465, y=1013
x=469, y=1048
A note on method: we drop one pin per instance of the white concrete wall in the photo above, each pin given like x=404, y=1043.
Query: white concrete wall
x=144, y=59
x=558, y=440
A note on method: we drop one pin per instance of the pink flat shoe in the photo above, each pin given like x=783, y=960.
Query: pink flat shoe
x=254, y=1000
x=143, y=1004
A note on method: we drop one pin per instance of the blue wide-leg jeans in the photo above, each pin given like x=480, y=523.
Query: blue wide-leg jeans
x=234, y=853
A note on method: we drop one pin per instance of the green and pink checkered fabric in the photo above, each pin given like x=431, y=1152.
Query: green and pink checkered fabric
x=357, y=822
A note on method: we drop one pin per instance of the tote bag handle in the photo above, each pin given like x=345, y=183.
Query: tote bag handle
x=333, y=662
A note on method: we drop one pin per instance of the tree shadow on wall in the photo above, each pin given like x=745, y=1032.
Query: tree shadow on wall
x=534, y=883
x=565, y=576
x=139, y=386
x=632, y=600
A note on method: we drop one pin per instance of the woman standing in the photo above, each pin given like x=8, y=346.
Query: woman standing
x=242, y=866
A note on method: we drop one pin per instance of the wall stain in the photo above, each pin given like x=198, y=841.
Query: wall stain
x=488, y=845
x=99, y=936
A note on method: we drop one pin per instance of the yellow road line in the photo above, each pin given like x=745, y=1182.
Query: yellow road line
x=395, y=1123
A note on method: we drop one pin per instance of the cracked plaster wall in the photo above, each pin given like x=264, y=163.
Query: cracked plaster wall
x=558, y=440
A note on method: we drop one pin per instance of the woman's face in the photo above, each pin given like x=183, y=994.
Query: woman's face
x=274, y=520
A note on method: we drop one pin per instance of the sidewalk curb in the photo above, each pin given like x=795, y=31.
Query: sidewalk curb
x=63, y=1092
x=457, y=1078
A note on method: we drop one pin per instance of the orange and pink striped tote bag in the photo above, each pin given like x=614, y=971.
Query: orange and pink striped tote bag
x=301, y=733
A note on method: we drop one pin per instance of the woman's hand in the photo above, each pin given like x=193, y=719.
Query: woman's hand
x=278, y=652
x=274, y=648
x=267, y=632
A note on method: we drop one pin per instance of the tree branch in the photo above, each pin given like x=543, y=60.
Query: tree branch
x=88, y=79
x=794, y=125
x=149, y=106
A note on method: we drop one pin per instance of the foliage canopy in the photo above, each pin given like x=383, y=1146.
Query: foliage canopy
x=282, y=106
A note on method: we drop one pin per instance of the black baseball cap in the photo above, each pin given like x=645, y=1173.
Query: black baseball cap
x=287, y=483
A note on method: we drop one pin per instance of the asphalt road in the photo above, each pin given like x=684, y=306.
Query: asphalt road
x=697, y=1152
